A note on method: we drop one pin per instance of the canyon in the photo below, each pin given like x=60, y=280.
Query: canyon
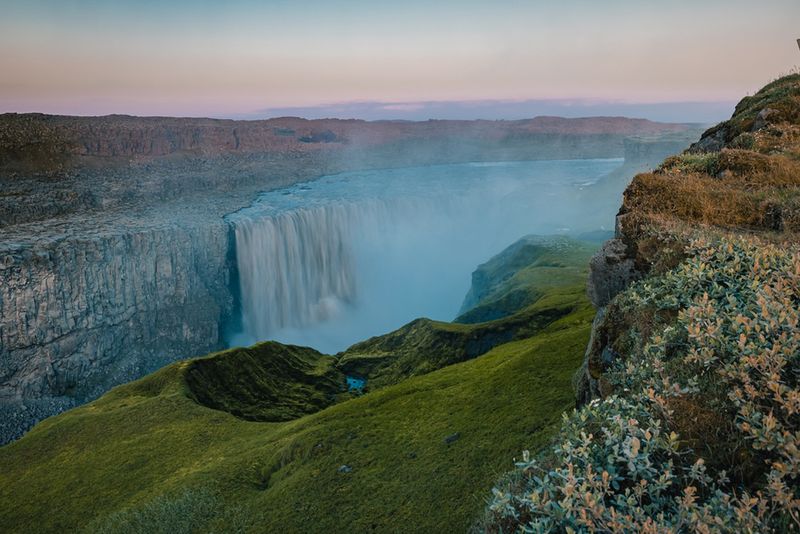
x=118, y=255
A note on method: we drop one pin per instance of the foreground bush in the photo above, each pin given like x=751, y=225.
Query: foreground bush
x=703, y=431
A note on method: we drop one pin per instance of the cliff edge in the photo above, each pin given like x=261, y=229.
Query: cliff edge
x=688, y=416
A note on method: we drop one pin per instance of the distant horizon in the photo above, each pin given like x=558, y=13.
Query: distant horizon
x=487, y=110
x=680, y=112
x=360, y=58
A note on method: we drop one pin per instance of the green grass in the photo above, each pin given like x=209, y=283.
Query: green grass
x=266, y=382
x=148, y=457
x=514, y=295
x=519, y=276
x=128, y=447
x=424, y=345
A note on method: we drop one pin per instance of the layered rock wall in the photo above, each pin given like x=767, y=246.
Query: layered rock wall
x=81, y=314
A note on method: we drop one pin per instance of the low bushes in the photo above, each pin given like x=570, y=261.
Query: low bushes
x=702, y=432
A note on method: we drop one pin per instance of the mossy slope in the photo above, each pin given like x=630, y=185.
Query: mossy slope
x=266, y=382
x=516, y=294
x=408, y=447
x=518, y=276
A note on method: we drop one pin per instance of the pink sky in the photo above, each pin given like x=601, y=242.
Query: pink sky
x=204, y=58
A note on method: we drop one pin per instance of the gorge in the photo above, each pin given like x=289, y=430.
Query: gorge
x=508, y=267
x=131, y=270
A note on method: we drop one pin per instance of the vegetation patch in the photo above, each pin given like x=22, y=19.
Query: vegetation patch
x=696, y=422
x=533, y=283
x=743, y=175
x=517, y=277
x=266, y=382
x=701, y=432
x=183, y=513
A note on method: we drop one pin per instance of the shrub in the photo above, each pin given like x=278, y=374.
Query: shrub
x=689, y=163
x=625, y=463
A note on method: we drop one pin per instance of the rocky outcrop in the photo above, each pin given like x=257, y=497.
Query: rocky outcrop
x=739, y=176
x=611, y=269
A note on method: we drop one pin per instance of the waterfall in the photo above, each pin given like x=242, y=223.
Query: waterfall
x=297, y=265
x=295, y=268
x=349, y=256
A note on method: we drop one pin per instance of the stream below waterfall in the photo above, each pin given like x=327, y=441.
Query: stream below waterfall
x=348, y=256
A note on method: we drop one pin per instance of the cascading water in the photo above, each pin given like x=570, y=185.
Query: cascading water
x=357, y=254
x=295, y=268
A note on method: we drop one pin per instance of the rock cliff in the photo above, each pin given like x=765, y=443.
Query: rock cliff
x=82, y=313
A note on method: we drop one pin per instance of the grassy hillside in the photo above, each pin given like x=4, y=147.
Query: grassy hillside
x=220, y=444
x=424, y=345
x=519, y=276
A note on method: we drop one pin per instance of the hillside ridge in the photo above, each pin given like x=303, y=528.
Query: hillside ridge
x=270, y=437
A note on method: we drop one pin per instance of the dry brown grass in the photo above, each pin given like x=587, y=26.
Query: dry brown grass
x=752, y=185
x=747, y=190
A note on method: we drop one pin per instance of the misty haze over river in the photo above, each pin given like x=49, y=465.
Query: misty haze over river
x=334, y=261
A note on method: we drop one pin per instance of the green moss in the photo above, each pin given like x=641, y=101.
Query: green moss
x=131, y=446
x=186, y=512
x=266, y=382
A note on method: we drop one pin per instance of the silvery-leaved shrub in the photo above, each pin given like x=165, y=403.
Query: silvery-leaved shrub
x=703, y=432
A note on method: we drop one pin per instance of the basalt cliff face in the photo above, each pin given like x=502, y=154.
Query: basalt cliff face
x=114, y=255
x=81, y=314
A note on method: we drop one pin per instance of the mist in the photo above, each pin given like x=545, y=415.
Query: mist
x=331, y=262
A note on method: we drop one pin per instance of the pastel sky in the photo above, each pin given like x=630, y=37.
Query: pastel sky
x=245, y=57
